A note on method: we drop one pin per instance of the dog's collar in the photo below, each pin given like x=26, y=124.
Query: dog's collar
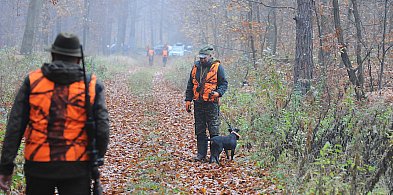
x=234, y=132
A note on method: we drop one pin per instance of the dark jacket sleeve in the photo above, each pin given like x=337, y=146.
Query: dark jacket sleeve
x=102, y=120
x=222, y=83
x=189, y=90
x=15, y=129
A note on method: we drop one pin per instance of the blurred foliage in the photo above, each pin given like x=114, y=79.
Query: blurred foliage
x=179, y=72
x=14, y=68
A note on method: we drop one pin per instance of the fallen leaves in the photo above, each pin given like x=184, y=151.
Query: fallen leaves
x=152, y=145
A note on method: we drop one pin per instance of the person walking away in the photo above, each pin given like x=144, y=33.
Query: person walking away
x=49, y=111
x=165, y=55
x=206, y=84
x=150, y=54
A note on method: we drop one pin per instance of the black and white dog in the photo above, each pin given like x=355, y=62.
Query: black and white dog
x=219, y=143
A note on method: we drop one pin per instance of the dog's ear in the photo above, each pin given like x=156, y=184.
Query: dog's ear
x=230, y=130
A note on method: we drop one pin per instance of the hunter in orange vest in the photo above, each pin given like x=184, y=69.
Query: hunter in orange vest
x=150, y=55
x=164, y=55
x=49, y=110
x=207, y=83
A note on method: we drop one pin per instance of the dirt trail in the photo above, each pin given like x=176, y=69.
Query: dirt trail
x=152, y=144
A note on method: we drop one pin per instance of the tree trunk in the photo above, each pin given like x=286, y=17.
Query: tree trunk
x=252, y=43
x=86, y=19
x=161, y=22
x=107, y=35
x=303, y=68
x=122, y=27
x=33, y=15
x=359, y=40
x=133, y=13
x=343, y=52
x=151, y=27
x=261, y=36
x=272, y=29
x=382, y=61
x=321, y=55
x=215, y=35
x=326, y=29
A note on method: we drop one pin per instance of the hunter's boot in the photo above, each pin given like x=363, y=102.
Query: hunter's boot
x=202, y=148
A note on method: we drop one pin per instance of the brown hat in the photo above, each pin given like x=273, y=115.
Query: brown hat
x=66, y=44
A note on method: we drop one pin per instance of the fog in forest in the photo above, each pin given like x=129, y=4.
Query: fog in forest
x=104, y=27
x=310, y=86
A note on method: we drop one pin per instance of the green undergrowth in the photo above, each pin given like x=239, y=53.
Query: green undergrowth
x=140, y=82
x=322, y=142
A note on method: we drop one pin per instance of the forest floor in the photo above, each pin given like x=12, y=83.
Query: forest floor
x=152, y=145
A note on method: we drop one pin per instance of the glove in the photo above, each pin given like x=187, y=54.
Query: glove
x=188, y=106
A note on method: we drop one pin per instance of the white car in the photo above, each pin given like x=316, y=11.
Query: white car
x=177, y=51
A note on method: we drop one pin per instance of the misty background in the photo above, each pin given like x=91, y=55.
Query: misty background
x=311, y=81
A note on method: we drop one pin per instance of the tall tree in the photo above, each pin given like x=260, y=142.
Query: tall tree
x=272, y=28
x=303, y=68
x=133, y=6
x=107, y=30
x=151, y=24
x=86, y=19
x=162, y=11
x=122, y=26
x=344, y=53
x=382, y=61
x=359, y=42
x=250, y=33
x=33, y=15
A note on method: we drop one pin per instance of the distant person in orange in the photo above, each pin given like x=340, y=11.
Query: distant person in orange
x=165, y=55
x=150, y=54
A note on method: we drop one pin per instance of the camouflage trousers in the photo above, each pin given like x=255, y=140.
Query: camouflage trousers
x=206, y=115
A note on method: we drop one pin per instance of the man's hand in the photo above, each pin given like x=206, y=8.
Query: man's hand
x=188, y=106
x=5, y=182
x=215, y=94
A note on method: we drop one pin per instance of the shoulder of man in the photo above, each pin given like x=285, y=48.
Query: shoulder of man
x=197, y=63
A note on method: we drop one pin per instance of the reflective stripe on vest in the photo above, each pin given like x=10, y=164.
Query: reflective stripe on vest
x=210, y=83
x=57, y=117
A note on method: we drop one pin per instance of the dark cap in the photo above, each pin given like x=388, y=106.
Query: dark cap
x=205, y=51
x=66, y=44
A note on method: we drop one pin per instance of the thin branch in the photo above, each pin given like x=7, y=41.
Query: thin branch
x=269, y=6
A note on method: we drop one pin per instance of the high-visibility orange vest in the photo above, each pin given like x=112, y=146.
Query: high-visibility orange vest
x=210, y=82
x=165, y=53
x=151, y=52
x=57, y=118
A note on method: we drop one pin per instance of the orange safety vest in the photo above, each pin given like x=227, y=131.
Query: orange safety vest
x=165, y=53
x=210, y=82
x=63, y=139
x=151, y=52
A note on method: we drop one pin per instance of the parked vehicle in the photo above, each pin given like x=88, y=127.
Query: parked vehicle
x=177, y=50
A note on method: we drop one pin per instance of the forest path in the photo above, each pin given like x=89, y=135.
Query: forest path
x=152, y=144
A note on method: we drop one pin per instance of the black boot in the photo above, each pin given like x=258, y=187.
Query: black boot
x=202, y=148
